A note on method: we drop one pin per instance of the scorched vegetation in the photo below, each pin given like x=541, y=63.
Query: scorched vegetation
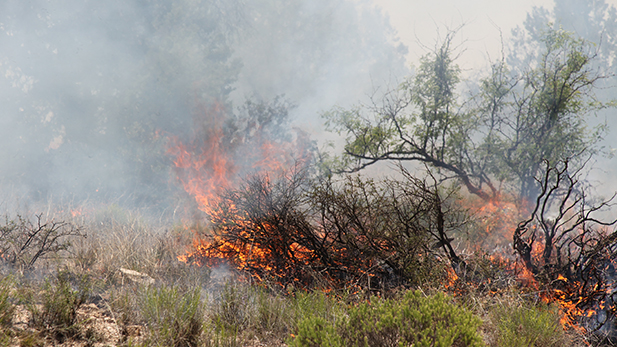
x=484, y=232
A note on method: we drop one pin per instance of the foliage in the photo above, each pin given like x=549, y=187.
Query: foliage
x=501, y=134
x=234, y=308
x=411, y=320
x=175, y=318
x=23, y=242
x=528, y=326
x=7, y=307
x=61, y=301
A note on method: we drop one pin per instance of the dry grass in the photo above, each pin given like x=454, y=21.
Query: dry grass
x=194, y=306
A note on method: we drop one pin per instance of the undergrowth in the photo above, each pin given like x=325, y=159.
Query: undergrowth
x=189, y=306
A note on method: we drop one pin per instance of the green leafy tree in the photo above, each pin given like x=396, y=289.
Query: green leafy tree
x=500, y=134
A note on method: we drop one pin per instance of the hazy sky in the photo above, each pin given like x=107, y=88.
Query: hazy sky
x=417, y=20
x=87, y=86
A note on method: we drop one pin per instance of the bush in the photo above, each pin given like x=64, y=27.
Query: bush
x=174, y=318
x=7, y=309
x=233, y=310
x=23, y=242
x=412, y=320
x=60, y=303
x=528, y=326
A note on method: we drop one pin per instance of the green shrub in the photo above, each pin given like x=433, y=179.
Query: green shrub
x=411, y=320
x=273, y=315
x=528, y=326
x=173, y=318
x=316, y=332
x=7, y=308
x=60, y=303
x=234, y=309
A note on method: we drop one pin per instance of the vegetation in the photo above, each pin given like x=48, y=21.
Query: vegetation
x=412, y=319
x=519, y=116
x=528, y=326
x=188, y=307
x=296, y=256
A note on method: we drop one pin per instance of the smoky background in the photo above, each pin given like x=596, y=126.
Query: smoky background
x=91, y=91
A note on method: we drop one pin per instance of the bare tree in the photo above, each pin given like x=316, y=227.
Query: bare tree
x=23, y=242
x=565, y=245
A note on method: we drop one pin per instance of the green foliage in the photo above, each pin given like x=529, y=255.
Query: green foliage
x=7, y=307
x=273, y=316
x=411, y=320
x=528, y=326
x=174, y=318
x=315, y=332
x=234, y=309
x=61, y=299
x=520, y=116
x=7, y=310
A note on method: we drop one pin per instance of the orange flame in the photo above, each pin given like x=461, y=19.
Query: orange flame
x=207, y=166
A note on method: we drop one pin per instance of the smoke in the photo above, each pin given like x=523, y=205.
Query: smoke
x=91, y=90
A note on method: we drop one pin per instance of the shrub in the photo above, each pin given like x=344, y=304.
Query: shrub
x=23, y=242
x=273, y=315
x=7, y=309
x=174, y=318
x=233, y=309
x=60, y=303
x=528, y=326
x=412, y=320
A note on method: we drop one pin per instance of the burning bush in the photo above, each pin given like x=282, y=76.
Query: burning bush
x=353, y=233
x=260, y=228
x=569, y=250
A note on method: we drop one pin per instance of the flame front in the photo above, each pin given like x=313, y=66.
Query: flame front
x=209, y=165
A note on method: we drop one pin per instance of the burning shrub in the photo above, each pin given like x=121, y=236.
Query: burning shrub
x=411, y=320
x=352, y=233
x=569, y=250
x=260, y=228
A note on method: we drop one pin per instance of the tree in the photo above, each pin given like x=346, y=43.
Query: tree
x=499, y=134
x=567, y=246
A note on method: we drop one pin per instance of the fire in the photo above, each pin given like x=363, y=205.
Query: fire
x=497, y=219
x=258, y=240
x=578, y=301
x=203, y=165
x=209, y=164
